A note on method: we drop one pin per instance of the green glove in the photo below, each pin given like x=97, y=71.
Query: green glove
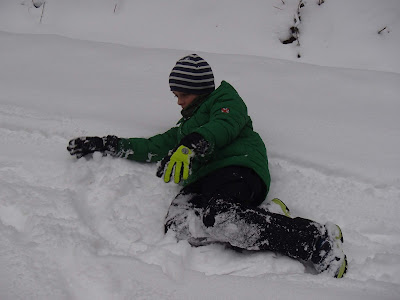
x=181, y=156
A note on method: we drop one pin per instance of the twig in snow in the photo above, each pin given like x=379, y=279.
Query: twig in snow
x=380, y=31
x=300, y=5
x=41, y=16
x=294, y=30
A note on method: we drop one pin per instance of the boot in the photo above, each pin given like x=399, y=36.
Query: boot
x=328, y=256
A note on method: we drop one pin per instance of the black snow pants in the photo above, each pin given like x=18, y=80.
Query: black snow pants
x=223, y=208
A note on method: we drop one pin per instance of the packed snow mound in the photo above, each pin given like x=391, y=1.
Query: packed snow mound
x=360, y=34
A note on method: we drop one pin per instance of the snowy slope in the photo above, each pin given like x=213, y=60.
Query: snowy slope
x=339, y=33
x=93, y=228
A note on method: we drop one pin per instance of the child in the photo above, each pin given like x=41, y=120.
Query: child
x=223, y=166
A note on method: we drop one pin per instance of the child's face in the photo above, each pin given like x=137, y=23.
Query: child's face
x=184, y=99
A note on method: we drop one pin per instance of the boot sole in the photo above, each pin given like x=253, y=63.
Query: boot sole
x=342, y=269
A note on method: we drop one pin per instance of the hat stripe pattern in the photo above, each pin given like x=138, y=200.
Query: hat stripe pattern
x=192, y=75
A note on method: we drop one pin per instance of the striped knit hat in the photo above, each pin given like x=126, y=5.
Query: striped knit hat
x=192, y=75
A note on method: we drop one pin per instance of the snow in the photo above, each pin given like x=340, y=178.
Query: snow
x=93, y=228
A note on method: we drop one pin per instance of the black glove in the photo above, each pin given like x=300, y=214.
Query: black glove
x=82, y=146
x=193, y=141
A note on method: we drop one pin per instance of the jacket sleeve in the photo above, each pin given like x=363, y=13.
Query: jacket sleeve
x=227, y=119
x=148, y=150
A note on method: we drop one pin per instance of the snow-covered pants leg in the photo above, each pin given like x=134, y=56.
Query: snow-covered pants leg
x=257, y=229
x=200, y=213
x=184, y=219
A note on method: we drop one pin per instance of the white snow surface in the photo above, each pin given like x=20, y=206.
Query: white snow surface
x=93, y=228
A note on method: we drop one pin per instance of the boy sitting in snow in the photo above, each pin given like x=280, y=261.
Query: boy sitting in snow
x=223, y=166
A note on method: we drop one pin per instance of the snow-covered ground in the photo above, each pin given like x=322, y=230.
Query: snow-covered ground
x=93, y=228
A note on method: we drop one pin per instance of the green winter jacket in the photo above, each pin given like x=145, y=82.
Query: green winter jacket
x=223, y=121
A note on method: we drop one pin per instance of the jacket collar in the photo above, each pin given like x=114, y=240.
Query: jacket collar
x=188, y=112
